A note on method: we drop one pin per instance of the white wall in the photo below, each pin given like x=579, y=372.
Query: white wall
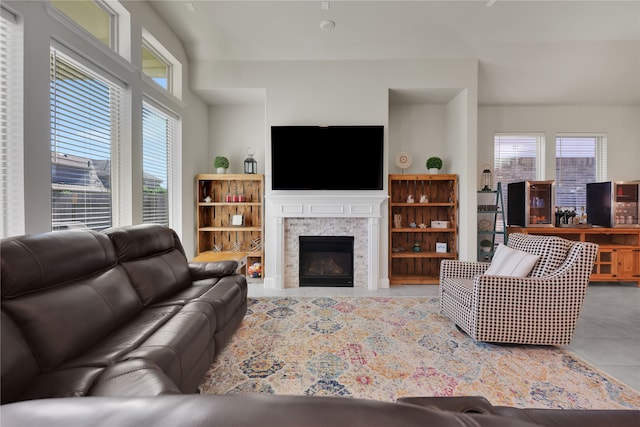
x=418, y=129
x=233, y=128
x=620, y=124
x=351, y=92
x=39, y=29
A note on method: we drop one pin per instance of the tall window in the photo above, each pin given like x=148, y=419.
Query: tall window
x=94, y=16
x=580, y=159
x=517, y=157
x=85, y=135
x=158, y=136
x=11, y=138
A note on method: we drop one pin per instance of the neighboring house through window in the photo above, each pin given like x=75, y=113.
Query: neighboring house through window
x=85, y=137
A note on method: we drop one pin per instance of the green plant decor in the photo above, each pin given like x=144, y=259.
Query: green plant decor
x=486, y=243
x=220, y=162
x=434, y=163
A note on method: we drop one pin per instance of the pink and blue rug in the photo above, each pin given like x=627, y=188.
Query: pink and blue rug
x=386, y=348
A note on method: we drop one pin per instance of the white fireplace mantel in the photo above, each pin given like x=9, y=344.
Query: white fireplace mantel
x=281, y=206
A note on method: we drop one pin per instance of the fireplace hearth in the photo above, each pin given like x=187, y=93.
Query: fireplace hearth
x=326, y=261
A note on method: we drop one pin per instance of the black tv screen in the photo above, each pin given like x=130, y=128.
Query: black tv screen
x=327, y=157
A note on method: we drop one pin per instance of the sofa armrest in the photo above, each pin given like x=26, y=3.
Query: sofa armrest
x=208, y=270
x=461, y=269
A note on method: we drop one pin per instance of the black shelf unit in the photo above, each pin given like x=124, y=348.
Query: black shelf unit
x=491, y=221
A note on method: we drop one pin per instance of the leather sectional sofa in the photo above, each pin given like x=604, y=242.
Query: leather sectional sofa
x=265, y=410
x=118, y=329
x=114, y=313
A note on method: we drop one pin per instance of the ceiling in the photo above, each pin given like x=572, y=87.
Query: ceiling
x=569, y=52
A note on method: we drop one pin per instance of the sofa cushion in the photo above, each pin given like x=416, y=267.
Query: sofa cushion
x=72, y=382
x=133, y=378
x=511, y=262
x=39, y=261
x=153, y=259
x=63, y=322
x=19, y=367
x=178, y=345
x=116, y=345
x=552, y=250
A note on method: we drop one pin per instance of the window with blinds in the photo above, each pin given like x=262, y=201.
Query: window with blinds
x=580, y=159
x=85, y=135
x=158, y=136
x=517, y=157
x=11, y=139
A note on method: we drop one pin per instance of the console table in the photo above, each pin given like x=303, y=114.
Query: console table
x=618, y=257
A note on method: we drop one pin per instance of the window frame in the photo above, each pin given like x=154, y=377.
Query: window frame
x=173, y=180
x=168, y=65
x=12, y=197
x=85, y=66
x=174, y=67
x=600, y=159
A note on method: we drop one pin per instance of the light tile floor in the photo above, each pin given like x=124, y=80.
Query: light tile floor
x=607, y=335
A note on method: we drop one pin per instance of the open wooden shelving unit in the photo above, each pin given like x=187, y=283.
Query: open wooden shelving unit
x=214, y=218
x=407, y=266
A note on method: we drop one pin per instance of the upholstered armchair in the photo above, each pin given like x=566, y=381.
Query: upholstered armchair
x=540, y=308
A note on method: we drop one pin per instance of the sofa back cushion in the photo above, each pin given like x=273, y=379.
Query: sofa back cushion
x=19, y=367
x=552, y=250
x=153, y=259
x=65, y=292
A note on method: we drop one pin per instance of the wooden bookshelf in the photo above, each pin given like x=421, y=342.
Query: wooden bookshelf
x=406, y=265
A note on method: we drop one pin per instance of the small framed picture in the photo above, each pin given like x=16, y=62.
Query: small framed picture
x=236, y=220
x=441, y=247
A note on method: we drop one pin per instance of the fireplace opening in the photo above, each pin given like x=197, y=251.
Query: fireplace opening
x=326, y=261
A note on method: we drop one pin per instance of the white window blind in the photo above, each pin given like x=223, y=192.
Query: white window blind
x=580, y=159
x=85, y=134
x=517, y=157
x=158, y=136
x=11, y=139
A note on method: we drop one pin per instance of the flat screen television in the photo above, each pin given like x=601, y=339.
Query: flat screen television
x=327, y=157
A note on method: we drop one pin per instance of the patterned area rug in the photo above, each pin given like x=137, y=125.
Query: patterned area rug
x=385, y=348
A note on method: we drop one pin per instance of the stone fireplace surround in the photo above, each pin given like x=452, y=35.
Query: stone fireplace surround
x=287, y=216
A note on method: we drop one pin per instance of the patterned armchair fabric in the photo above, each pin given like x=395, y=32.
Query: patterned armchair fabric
x=540, y=309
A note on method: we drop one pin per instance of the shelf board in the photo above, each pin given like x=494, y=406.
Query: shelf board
x=251, y=254
x=422, y=230
x=424, y=205
x=423, y=254
x=230, y=228
x=414, y=280
x=229, y=204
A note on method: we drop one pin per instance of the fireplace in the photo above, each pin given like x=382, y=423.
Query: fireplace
x=326, y=260
x=289, y=215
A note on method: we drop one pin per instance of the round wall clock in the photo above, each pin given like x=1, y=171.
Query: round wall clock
x=403, y=160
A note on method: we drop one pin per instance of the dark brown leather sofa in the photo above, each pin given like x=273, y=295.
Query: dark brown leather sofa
x=114, y=328
x=294, y=411
x=114, y=313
